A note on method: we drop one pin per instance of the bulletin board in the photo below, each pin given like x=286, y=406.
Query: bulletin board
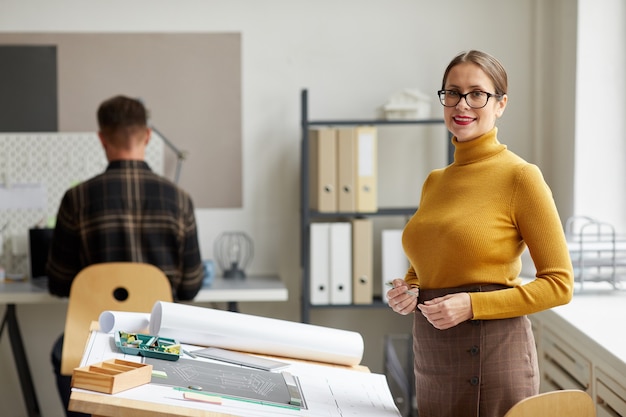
x=35, y=171
x=190, y=83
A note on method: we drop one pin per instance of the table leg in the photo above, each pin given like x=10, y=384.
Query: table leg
x=21, y=362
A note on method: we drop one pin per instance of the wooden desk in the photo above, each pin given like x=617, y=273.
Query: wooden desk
x=232, y=291
x=347, y=390
x=102, y=406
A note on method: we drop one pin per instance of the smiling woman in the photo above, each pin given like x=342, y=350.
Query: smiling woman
x=474, y=116
x=464, y=244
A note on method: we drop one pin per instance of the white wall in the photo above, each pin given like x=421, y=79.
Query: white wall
x=600, y=178
x=351, y=55
x=554, y=97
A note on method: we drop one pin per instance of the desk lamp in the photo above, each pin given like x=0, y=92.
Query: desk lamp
x=233, y=252
x=180, y=155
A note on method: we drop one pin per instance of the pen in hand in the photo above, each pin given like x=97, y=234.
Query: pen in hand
x=408, y=292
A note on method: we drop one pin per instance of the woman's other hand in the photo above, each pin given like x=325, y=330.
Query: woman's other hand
x=447, y=311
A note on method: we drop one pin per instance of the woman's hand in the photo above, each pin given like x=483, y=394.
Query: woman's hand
x=447, y=311
x=399, y=300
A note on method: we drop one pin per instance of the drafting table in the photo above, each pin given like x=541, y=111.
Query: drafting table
x=234, y=290
x=231, y=291
x=328, y=390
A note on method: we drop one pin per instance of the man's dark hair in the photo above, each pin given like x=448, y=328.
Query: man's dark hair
x=119, y=116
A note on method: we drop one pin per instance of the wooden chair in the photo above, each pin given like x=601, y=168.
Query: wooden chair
x=117, y=286
x=563, y=403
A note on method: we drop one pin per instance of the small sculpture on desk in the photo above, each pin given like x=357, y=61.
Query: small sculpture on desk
x=233, y=252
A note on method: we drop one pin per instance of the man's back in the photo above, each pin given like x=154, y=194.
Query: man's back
x=128, y=213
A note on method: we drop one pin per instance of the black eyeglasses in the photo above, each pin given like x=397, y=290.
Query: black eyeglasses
x=475, y=99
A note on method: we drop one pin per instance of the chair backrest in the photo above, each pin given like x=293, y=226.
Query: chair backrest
x=116, y=286
x=563, y=403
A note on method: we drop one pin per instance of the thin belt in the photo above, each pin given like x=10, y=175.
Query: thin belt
x=425, y=295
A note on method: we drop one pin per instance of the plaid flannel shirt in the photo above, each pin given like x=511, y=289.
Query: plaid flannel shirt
x=126, y=214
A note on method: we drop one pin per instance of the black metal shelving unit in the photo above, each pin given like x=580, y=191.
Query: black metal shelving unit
x=308, y=216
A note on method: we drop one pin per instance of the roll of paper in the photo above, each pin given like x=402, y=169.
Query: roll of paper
x=237, y=331
x=127, y=321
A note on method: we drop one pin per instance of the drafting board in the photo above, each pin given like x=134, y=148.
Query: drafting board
x=330, y=391
x=264, y=387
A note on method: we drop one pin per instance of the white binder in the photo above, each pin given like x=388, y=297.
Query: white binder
x=320, y=263
x=393, y=260
x=340, y=263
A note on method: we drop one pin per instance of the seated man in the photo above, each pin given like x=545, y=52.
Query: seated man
x=126, y=214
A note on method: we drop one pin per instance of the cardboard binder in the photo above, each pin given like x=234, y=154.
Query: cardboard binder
x=320, y=263
x=362, y=261
x=340, y=272
x=323, y=169
x=393, y=260
x=346, y=170
x=366, y=176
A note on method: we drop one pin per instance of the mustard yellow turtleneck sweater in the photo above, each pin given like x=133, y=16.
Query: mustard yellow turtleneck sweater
x=475, y=218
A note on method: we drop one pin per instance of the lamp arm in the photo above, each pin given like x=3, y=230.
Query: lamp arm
x=180, y=155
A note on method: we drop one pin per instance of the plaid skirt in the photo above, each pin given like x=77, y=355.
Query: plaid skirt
x=479, y=368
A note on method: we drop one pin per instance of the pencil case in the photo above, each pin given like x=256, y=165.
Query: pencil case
x=149, y=346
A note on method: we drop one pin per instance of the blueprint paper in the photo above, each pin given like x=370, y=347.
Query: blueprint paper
x=236, y=331
x=126, y=321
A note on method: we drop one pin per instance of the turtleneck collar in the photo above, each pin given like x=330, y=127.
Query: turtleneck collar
x=477, y=149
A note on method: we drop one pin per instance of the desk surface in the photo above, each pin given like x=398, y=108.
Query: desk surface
x=594, y=310
x=100, y=405
x=27, y=292
x=252, y=288
x=597, y=311
x=329, y=391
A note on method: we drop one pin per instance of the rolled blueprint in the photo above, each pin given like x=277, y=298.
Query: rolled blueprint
x=209, y=327
x=123, y=320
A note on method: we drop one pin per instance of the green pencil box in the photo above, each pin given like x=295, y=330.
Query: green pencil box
x=147, y=345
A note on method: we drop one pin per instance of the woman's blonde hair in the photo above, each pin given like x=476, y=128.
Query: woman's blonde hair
x=490, y=65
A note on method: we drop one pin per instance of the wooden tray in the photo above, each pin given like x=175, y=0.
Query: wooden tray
x=111, y=376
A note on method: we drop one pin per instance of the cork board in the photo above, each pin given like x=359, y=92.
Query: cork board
x=190, y=82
